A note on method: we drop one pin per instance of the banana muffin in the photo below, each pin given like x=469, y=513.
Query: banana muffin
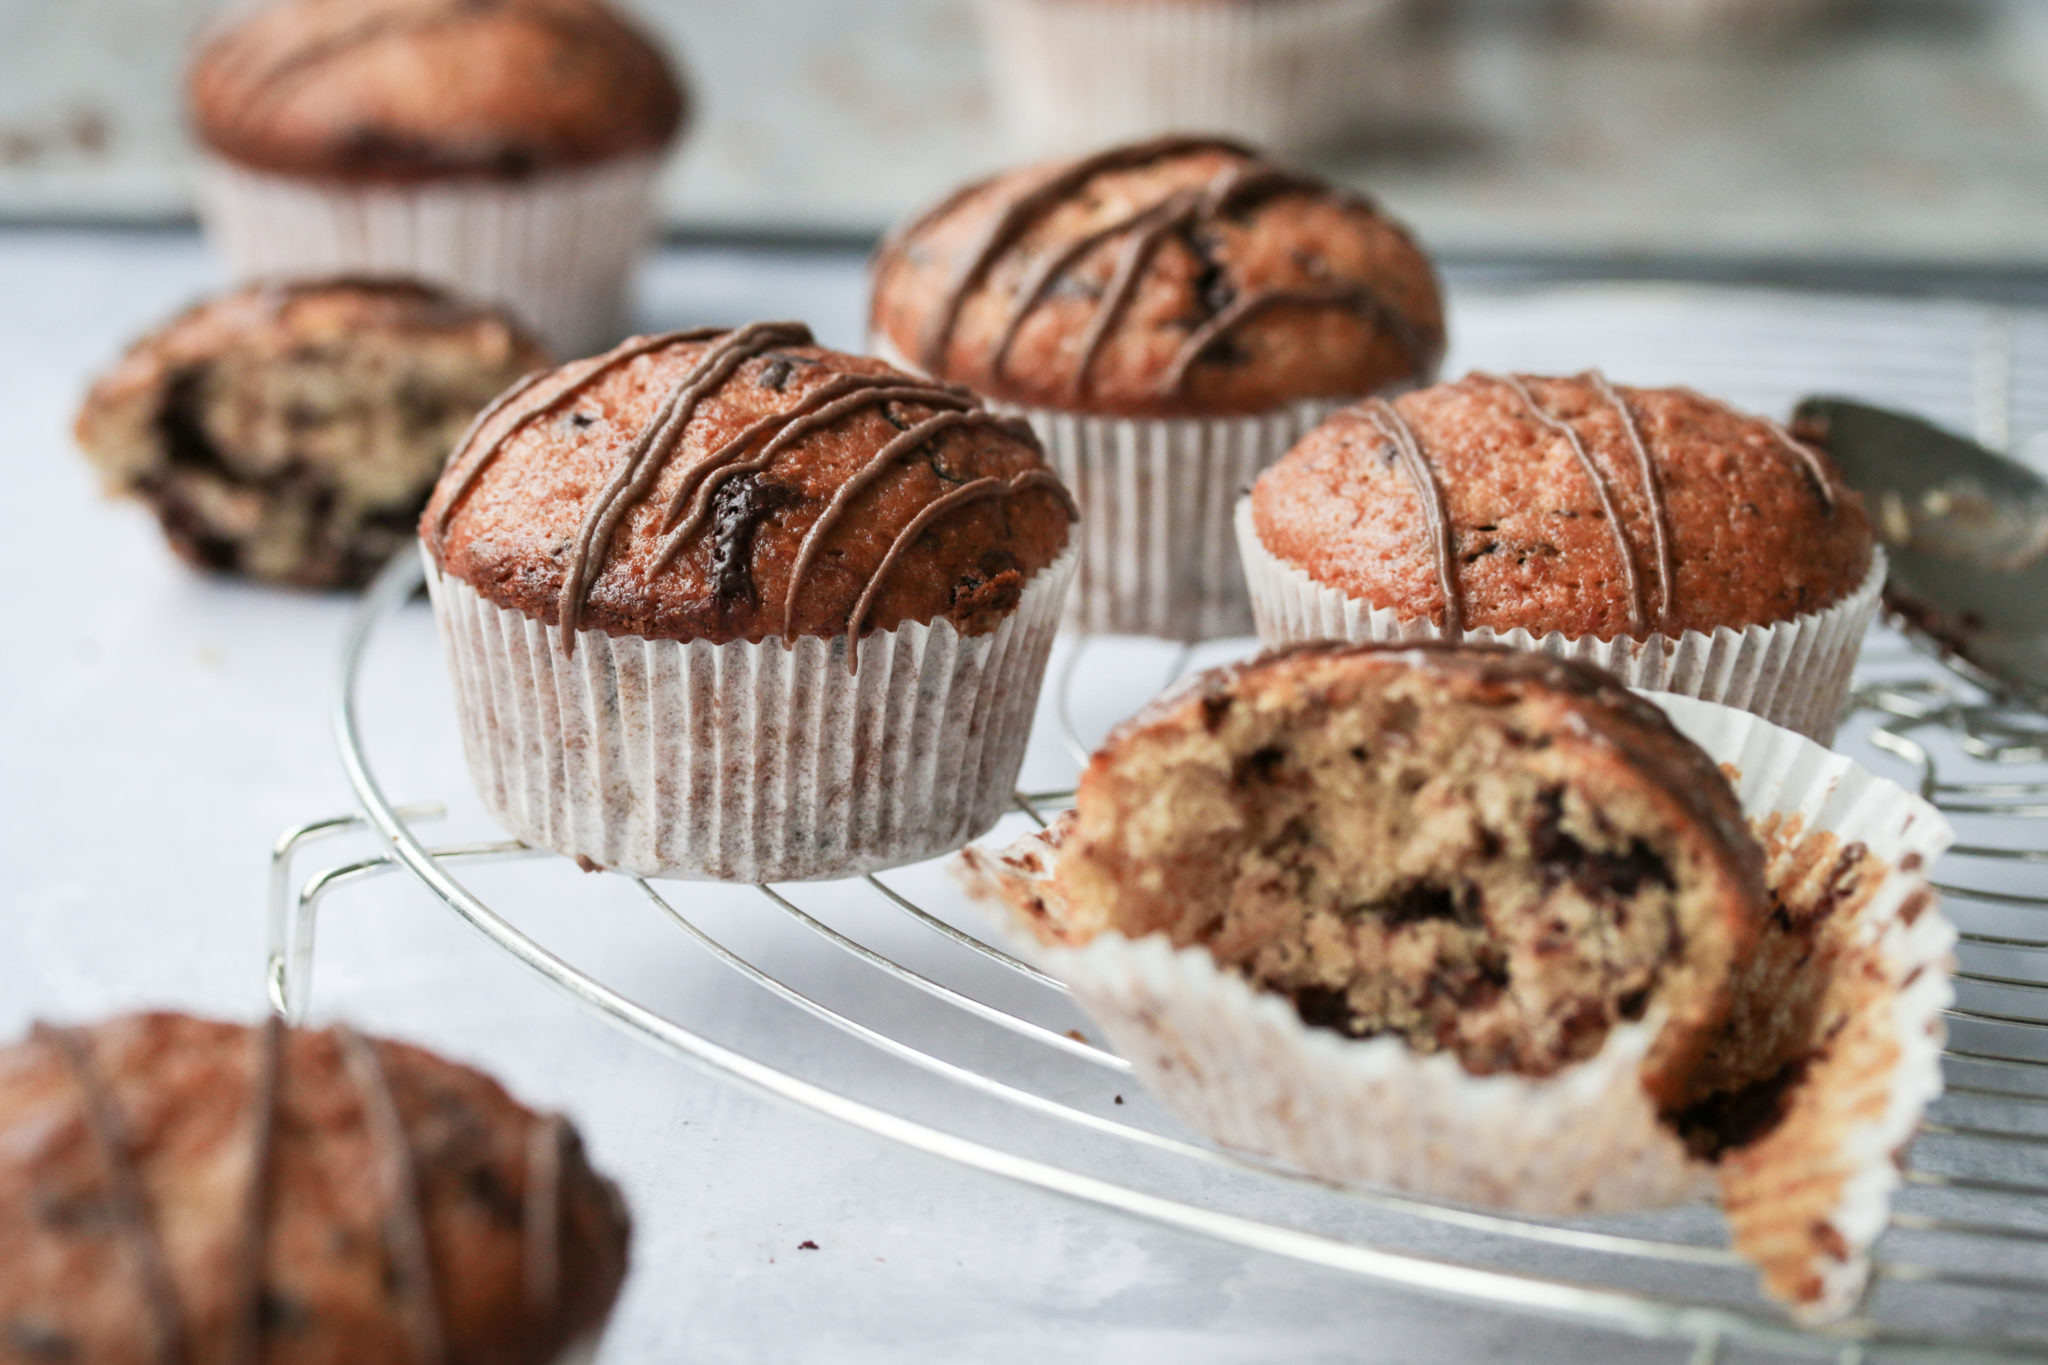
x=819, y=594
x=505, y=146
x=292, y=432
x=1661, y=534
x=1170, y=315
x=1494, y=854
x=174, y=1188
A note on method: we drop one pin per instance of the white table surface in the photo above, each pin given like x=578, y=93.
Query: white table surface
x=161, y=728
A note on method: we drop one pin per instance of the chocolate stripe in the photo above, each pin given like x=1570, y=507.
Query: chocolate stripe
x=126, y=1197
x=1653, y=494
x=402, y=1219
x=1638, y=601
x=245, y=1344
x=1352, y=296
x=1435, y=516
x=541, y=1221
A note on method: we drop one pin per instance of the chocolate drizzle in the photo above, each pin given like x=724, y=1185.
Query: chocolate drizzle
x=701, y=497
x=124, y=1194
x=1638, y=603
x=402, y=1218
x=1182, y=212
x=245, y=1346
x=1653, y=496
x=541, y=1219
x=1816, y=471
x=1394, y=428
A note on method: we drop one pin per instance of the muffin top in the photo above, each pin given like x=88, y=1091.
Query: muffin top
x=738, y=485
x=400, y=90
x=1570, y=505
x=179, y=1189
x=1180, y=276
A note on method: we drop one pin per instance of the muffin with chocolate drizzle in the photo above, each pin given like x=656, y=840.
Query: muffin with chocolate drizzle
x=791, y=606
x=1170, y=316
x=174, y=1188
x=1663, y=535
x=291, y=432
x=507, y=147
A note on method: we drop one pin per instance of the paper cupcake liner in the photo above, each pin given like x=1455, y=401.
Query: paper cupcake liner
x=1074, y=75
x=1156, y=496
x=558, y=248
x=1795, y=673
x=746, y=762
x=1805, y=1201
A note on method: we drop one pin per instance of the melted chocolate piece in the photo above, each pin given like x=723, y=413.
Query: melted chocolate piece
x=1419, y=902
x=737, y=511
x=1325, y=1007
x=1564, y=858
x=1736, y=1118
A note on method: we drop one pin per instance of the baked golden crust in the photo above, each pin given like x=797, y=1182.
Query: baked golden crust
x=398, y=90
x=1502, y=855
x=1183, y=276
x=1552, y=524
x=781, y=490
x=291, y=432
x=131, y=1214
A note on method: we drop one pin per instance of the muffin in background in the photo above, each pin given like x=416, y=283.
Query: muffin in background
x=291, y=432
x=174, y=1188
x=1170, y=316
x=1070, y=75
x=1659, y=534
x=728, y=605
x=508, y=148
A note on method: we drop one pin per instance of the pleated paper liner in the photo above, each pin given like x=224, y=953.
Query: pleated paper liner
x=557, y=248
x=746, y=762
x=1795, y=673
x=1838, y=1026
x=1074, y=75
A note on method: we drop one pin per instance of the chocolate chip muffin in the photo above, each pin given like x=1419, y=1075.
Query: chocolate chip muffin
x=291, y=432
x=1661, y=534
x=1492, y=854
x=1170, y=315
x=818, y=591
x=507, y=147
x=177, y=1189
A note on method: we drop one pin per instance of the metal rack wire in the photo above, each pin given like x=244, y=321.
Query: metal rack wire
x=1961, y=1274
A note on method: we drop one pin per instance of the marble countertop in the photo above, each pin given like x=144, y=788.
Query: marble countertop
x=161, y=728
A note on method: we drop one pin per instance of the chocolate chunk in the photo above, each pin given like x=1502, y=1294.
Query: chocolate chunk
x=1736, y=1118
x=1324, y=1007
x=1564, y=858
x=737, y=511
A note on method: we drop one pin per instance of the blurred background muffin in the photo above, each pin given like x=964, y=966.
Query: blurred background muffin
x=506, y=147
x=291, y=431
x=1662, y=535
x=1170, y=315
x=1068, y=75
x=174, y=1188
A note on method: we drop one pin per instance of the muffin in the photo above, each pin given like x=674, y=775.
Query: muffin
x=178, y=1189
x=291, y=432
x=1170, y=316
x=1485, y=925
x=1069, y=75
x=1662, y=535
x=726, y=604
x=507, y=147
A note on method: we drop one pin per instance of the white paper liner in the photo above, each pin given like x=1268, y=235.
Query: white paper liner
x=558, y=248
x=1239, y=1065
x=1156, y=496
x=1074, y=75
x=1795, y=672
x=746, y=762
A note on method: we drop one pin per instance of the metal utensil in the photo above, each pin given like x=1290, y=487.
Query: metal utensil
x=1967, y=534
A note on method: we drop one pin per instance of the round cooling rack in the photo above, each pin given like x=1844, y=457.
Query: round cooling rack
x=999, y=1076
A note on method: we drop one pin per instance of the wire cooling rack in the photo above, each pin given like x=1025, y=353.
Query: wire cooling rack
x=1000, y=1076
